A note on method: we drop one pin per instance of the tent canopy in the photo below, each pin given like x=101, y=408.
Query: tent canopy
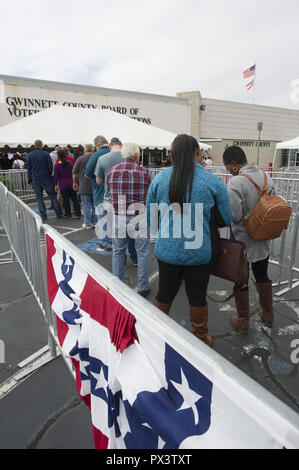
x=78, y=126
x=289, y=144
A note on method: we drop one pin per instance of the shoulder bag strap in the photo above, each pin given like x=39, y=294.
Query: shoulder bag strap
x=261, y=193
x=266, y=187
x=252, y=180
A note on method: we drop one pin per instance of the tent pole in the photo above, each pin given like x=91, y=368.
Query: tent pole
x=274, y=158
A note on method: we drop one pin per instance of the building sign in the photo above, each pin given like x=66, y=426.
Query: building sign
x=21, y=101
x=22, y=107
x=250, y=147
x=251, y=143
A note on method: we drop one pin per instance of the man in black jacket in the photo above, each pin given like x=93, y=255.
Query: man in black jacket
x=39, y=170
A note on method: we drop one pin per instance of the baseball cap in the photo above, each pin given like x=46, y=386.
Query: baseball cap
x=115, y=140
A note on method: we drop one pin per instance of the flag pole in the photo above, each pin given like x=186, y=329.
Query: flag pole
x=254, y=85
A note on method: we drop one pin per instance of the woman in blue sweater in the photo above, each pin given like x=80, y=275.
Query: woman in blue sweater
x=179, y=207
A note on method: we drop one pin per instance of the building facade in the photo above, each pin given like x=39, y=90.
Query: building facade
x=22, y=97
x=217, y=122
x=232, y=123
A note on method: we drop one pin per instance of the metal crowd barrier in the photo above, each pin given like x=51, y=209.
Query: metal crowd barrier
x=287, y=183
x=26, y=235
x=3, y=207
x=287, y=186
x=27, y=242
x=287, y=258
x=16, y=181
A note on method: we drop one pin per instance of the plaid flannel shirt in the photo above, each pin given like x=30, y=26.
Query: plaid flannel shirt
x=128, y=184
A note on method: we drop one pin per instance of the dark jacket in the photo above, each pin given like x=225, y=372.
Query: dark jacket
x=39, y=165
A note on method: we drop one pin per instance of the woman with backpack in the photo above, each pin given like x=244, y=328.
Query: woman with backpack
x=63, y=178
x=244, y=196
x=181, y=199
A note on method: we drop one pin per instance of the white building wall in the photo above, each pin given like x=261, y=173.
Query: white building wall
x=23, y=97
x=229, y=120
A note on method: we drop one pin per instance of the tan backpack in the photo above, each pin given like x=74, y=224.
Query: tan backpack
x=270, y=215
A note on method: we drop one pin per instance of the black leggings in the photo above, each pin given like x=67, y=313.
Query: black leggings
x=196, y=282
x=68, y=194
x=260, y=272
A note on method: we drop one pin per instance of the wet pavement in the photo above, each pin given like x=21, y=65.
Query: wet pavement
x=40, y=409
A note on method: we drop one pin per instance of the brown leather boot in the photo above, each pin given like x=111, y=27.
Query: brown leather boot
x=199, y=322
x=164, y=307
x=242, y=305
x=266, y=302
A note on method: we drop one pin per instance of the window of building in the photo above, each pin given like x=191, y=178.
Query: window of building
x=293, y=157
x=284, y=157
x=289, y=158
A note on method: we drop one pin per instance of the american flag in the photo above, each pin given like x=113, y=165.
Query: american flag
x=145, y=387
x=249, y=72
x=250, y=85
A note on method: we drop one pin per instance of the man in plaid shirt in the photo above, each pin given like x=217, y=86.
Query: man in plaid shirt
x=128, y=184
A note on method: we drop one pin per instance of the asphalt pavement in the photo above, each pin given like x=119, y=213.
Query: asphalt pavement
x=39, y=407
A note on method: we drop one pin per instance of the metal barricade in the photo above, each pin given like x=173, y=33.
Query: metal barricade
x=3, y=206
x=155, y=171
x=288, y=256
x=27, y=236
x=5, y=218
x=284, y=251
x=23, y=229
x=147, y=312
x=16, y=181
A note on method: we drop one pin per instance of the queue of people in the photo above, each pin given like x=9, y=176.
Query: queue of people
x=118, y=198
x=14, y=161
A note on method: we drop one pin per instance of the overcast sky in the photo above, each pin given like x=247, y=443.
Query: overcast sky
x=157, y=46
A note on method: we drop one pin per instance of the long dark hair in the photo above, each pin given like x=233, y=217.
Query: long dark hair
x=62, y=157
x=182, y=155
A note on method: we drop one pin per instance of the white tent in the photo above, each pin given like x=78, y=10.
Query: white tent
x=78, y=126
x=288, y=144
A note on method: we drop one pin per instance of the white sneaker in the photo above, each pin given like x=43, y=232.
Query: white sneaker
x=86, y=227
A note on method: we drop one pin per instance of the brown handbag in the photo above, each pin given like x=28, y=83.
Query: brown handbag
x=231, y=263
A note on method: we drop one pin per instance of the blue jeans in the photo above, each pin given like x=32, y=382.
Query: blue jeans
x=88, y=208
x=104, y=230
x=47, y=185
x=132, y=251
x=120, y=243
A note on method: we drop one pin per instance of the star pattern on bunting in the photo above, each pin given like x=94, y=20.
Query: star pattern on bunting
x=190, y=398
